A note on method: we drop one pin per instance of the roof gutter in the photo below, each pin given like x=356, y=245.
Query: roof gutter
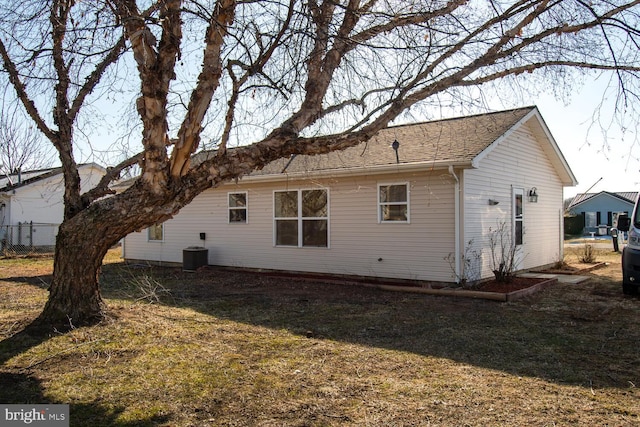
x=372, y=170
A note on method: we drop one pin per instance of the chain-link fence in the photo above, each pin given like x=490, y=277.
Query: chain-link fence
x=27, y=238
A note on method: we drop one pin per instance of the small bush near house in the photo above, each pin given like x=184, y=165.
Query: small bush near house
x=503, y=253
x=587, y=254
x=471, y=260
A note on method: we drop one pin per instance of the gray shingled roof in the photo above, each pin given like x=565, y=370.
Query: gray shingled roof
x=627, y=196
x=437, y=144
x=453, y=141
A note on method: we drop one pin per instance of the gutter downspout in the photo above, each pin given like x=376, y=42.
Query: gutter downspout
x=456, y=217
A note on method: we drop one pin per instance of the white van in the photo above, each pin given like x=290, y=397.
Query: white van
x=631, y=252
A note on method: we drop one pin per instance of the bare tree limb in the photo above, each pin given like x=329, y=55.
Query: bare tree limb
x=30, y=107
x=208, y=81
x=113, y=173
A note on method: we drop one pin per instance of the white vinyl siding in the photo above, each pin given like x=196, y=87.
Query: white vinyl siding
x=517, y=162
x=42, y=201
x=359, y=245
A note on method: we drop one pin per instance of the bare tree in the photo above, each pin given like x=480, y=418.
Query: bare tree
x=21, y=146
x=264, y=80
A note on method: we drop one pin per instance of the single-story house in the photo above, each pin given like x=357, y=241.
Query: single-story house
x=417, y=202
x=600, y=210
x=31, y=203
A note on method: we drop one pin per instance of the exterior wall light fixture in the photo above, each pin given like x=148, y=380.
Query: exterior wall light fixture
x=533, y=195
x=395, y=145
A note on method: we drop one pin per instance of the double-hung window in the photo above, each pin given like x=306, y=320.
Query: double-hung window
x=393, y=202
x=155, y=233
x=301, y=218
x=237, y=208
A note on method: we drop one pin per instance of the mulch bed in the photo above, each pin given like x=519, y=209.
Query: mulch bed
x=490, y=286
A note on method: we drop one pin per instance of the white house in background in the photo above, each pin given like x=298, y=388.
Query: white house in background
x=385, y=209
x=31, y=203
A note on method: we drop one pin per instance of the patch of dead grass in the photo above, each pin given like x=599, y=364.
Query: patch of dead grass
x=236, y=349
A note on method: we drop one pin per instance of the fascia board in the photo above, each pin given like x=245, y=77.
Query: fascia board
x=359, y=171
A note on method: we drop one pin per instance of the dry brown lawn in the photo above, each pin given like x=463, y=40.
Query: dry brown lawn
x=225, y=348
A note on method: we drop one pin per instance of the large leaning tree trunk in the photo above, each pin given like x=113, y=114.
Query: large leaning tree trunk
x=266, y=80
x=81, y=244
x=74, y=294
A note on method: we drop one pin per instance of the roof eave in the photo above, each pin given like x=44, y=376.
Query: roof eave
x=367, y=170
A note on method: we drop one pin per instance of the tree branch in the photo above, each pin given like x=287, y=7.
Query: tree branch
x=156, y=66
x=208, y=81
x=113, y=173
x=255, y=68
x=20, y=88
x=94, y=78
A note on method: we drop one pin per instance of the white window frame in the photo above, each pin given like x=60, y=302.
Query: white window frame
x=149, y=239
x=380, y=204
x=517, y=218
x=300, y=219
x=237, y=208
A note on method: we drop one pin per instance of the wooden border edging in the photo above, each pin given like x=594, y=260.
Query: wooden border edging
x=494, y=296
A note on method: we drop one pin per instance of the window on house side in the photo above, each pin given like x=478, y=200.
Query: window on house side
x=237, y=208
x=301, y=218
x=155, y=233
x=393, y=202
x=590, y=220
x=518, y=219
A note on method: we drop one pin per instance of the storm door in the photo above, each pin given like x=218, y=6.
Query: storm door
x=517, y=211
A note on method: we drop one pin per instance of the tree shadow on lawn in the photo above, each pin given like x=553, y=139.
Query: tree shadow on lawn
x=21, y=387
x=569, y=334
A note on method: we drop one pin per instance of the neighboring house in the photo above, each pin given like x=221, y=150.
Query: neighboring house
x=405, y=210
x=599, y=210
x=31, y=204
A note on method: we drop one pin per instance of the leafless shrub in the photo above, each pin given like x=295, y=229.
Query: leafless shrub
x=503, y=253
x=587, y=254
x=470, y=265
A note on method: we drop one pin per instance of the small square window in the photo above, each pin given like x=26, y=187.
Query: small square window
x=237, y=207
x=393, y=203
x=155, y=233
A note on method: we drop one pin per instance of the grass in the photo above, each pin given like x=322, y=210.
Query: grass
x=225, y=348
